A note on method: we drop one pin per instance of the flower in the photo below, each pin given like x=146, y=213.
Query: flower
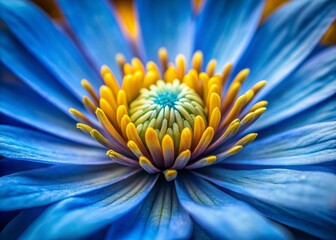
x=164, y=152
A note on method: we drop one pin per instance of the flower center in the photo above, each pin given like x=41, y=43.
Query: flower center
x=170, y=119
x=167, y=108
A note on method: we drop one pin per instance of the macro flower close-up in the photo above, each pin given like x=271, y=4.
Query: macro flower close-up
x=148, y=119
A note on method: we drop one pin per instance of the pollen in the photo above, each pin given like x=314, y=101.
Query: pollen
x=167, y=118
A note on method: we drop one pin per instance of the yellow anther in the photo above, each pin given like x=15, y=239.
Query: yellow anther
x=242, y=75
x=121, y=111
x=258, y=105
x=153, y=145
x=109, y=110
x=100, y=138
x=180, y=66
x=246, y=140
x=170, y=174
x=215, y=102
x=204, y=142
x=163, y=58
x=214, y=118
x=89, y=105
x=146, y=164
x=199, y=128
x=128, y=69
x=234, y=150
x=106, y=93
x=152, y=67
x=211, y=67
x=235, y=111
x=170, y=74
x=121, y=61
x=108, y=126
x=185, y=139
x=132, y=135
x=88, y=87
x=85, y=128
x=231, y=96
x=197, y=61
x=137, y=65
x=182, y=159
x=168, y=150
x=111, y=82
x=122, y=98
x=150, y=78
x=125, y=120
x=226, y=73
x=134, y=148
x=79, y=115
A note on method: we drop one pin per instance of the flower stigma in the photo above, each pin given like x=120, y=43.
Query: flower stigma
x=170, y=119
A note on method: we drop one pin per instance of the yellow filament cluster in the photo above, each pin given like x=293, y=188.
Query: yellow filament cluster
x=209, y=140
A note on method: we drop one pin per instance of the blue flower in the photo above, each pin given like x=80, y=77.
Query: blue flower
x=162, y=152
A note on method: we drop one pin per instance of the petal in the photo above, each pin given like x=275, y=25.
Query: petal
x=322, y=112
x=309, y=85
x=47, y=185
x=26, y=67
x=18, y=225
x=48, y=44
x=9, y=166
x=225, y=28
x=221, y=215
x=165, y=24
x=101, y=38
x=285, y=40
x=159, y=217
x=19, y=102
x=75, y=218
x=312, y=144
x=300, y=199
x=21, y=144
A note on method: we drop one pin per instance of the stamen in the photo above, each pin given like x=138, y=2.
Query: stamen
x=170, y=120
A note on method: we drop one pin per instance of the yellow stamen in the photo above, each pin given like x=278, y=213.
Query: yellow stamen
x=88, y=87
x=182, y=159
x=153, y=145
x=79, y=115
x=167, y=120
x=170, y=174
x=168, y=150
x=163, y=58
x=146, y=164
x=197, y=61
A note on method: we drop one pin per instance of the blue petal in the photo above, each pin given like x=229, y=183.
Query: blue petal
x=18, y=225
x=21, y=144
x=324, y=111
x=166, y=23
x=75, y=218
x=312, y=144
x=18, y=102
x=221, y=215
x=47, y=185
x=225, y=28
x=300, y=199
x=101, y=37
x=9, y=166
x=159, y=217
x=48, y=44
x=285, y=40
x=25, y=66
x=309, y=85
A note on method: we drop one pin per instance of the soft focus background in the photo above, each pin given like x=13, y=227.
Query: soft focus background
x=128, y=20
